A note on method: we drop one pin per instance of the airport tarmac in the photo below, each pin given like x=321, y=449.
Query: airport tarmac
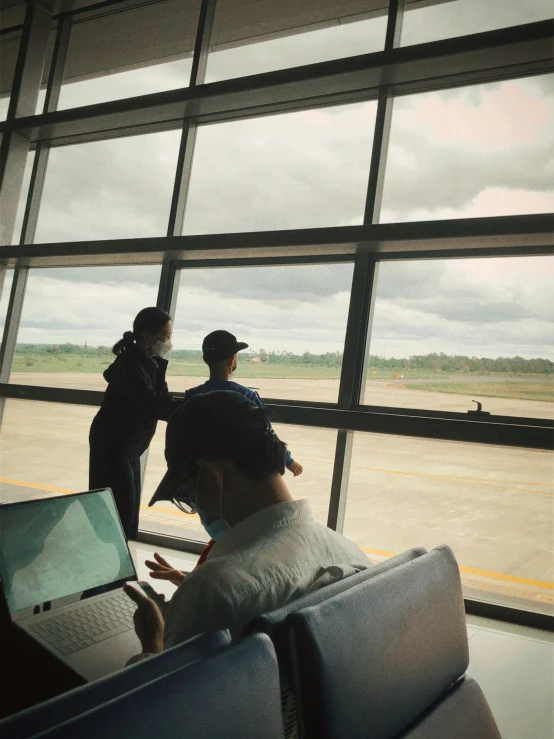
x=493, y=505
x=390, y=392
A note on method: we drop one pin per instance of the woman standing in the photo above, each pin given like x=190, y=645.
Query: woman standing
x=136, y=397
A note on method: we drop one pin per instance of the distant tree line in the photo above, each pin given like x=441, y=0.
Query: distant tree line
x=430, y=362
x=459, y=363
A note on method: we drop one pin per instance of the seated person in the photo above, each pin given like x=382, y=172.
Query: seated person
x=226, y=464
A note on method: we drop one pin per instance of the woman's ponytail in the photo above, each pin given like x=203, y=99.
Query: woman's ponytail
x=123, y=344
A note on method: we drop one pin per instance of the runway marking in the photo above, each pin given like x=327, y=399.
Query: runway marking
x=473, y=571
x=64, y=491
x=177, y=512
x=499, y=484
x=496, y=484
x=378, y=552
x=38, y=487
x=509, y=578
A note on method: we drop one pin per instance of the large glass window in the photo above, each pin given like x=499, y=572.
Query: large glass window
x=141, y=50
x=492, y=505
x=164, y=517
x=471, y=152
x=292, y=317
x=71, y=319
x=296, y=170
x=113, y=189
x=450, y=18
x=447, y=332
x=251, y=38
x=314, y=449
x=44, y=449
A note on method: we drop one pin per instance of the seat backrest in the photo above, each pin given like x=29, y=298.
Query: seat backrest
x=233, y=694
x=368, y=661
x=271, y=623
x=462, y=714
x=67, y=706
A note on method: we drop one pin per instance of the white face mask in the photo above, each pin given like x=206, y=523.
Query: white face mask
x=161, y=348
x=217, y=529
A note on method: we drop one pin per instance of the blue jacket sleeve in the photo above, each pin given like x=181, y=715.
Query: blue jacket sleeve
x=255, y=398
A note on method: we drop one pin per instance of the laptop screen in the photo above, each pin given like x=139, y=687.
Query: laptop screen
x=57, y=547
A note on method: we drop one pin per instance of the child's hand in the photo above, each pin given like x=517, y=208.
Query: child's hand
x=296, y=468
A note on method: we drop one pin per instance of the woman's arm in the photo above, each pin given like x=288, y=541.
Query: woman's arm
x=134, y=383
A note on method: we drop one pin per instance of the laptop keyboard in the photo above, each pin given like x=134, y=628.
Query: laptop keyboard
x=87, y=624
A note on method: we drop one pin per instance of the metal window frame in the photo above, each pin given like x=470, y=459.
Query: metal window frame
x=362, y=296
x=480, y=58
x=27, y=80
x=468, y=60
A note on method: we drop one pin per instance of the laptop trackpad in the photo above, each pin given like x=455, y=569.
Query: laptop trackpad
x=106, y=657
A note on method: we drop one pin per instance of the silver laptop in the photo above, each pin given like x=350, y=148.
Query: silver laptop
x=63, y=563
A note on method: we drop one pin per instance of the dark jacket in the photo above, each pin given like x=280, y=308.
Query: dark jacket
x=252, y=396
x=135, y=399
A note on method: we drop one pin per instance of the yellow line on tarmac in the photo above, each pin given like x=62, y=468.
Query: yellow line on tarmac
x=378, y=552
x=64, y=491
x=38, y=487
x=473, y=571
x=177, y=512
x=499, y=484
x=509, y=578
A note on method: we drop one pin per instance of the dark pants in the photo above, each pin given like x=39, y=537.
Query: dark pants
x=111, y=468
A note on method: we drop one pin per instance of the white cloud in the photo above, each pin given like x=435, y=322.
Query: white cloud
x=489, y=117
x=114, y=189
x=478, y=307
x=58, y=311
x=297, y=170
x=479, y=151
x=462, y=17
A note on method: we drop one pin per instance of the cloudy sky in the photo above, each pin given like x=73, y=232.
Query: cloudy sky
x=479, y=151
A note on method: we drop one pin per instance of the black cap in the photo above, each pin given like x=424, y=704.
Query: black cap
x=209, y=424
x=221, y=345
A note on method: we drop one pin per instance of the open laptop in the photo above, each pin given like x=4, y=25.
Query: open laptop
x=63, y=563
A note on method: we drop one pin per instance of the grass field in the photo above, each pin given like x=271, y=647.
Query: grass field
x=533, y=388
x=526, y=386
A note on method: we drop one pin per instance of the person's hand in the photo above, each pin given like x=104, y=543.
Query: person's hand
x=162, y=570
x=296, y=468
x=149, y=622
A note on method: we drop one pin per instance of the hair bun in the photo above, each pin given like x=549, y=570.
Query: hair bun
x=128, y=337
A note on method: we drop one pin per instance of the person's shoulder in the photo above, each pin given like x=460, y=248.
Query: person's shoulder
x=197, y=389
x=244, y=390
x=119, y=367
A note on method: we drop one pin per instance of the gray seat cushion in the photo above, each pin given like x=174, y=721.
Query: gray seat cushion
x=463, y=714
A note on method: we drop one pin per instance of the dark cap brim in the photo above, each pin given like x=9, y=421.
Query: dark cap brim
x=167, y=488
x=213, y=353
